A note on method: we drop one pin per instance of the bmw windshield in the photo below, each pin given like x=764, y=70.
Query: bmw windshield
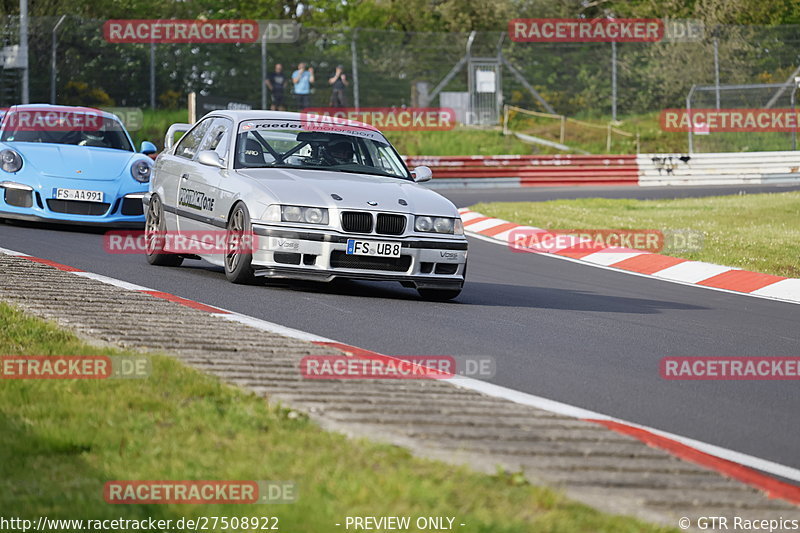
x=291, y=144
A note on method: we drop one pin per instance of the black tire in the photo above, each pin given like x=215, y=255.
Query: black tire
x=155, y=227
x=238, y=265
x=438, y=295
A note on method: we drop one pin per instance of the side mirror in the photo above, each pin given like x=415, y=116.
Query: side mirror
x=210, y=158
x=421, y=174
x=148, y=148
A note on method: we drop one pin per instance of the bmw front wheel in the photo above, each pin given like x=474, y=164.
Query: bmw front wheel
x=239, y=239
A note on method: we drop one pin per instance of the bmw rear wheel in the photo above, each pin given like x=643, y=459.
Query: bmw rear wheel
x=155, y=230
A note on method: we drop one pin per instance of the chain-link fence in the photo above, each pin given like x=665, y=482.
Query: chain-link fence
x=740, y=108
x=580, y=80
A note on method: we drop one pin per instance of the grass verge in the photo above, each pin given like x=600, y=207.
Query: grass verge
x=473, y=141
x=60, y=441
x=155, y=124
x=757, y=232
x=460, y=141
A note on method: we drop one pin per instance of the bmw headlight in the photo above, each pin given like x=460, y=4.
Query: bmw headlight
x=423, y=224
x=443, y=225
x=296, y=213
x=292, y=213
x=314, y=215
x=140, y=170
x=10, y=161
x=428, y=224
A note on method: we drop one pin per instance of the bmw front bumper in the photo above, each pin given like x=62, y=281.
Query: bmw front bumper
x=436, y=263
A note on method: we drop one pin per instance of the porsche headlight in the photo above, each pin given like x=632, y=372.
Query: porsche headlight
x=296, y=213
x=428, y=224
x=10, y=161
x=140, y=170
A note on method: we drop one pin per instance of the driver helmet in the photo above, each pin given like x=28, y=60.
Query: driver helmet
x=340, y=151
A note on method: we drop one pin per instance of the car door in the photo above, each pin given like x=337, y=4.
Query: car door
x=199, y=194
x=220, y=140
x=196, y=190
x=174, y=164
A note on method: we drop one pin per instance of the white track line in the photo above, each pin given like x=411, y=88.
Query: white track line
x=112, y=281
x=763, y=293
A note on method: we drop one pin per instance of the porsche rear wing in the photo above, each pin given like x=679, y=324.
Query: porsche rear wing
x=169, y=138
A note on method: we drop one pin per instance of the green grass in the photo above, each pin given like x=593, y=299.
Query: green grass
x=155, y=124
x=758, y=232
x=473, y=141
x=594, y=140
x=60, y=441
x=651, y=137
x=460, y=141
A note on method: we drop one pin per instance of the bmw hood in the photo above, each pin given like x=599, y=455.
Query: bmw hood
x=316, y=188
x=71, y=161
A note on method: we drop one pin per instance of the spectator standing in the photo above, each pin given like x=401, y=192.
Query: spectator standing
x=302, y=78
x=338, y=83
x=276, y=82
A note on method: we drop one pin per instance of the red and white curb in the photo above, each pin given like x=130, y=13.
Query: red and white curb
x=739, y=466
x=663, y=267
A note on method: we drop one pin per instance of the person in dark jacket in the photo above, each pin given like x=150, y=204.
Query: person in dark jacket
x=276, y=82
x=338, y=83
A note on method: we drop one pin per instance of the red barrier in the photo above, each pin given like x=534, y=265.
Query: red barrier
x=533, y=170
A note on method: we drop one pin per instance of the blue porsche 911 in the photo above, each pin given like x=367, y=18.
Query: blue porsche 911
x=71, y=165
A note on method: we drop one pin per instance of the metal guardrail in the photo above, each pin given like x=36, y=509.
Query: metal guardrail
x=719, y=168
x=533, y=170
x=643, y=169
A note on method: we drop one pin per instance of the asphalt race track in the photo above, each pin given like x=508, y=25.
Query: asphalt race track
x=581, y=335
